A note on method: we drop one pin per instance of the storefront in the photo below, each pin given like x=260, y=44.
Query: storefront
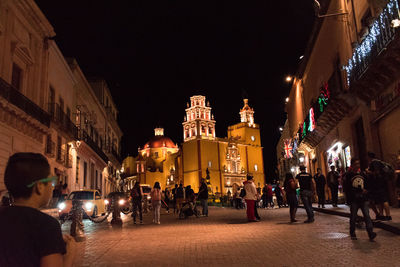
x=339, y=155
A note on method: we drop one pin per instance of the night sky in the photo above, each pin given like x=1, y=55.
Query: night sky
x=156, y=54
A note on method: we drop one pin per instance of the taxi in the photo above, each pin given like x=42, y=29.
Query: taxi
x=93, y=203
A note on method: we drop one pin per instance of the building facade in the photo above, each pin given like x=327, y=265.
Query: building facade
x=47, y=106
x=224, y=162
x=344, y=99
x=157, y=161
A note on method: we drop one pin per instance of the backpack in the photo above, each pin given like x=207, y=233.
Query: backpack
x=387, y=171
x=242, y=193
x=135, y=193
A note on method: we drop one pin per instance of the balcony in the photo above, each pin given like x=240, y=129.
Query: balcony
x=83, y=135
x=16, y=98
x=376, y=61
x=62, y=120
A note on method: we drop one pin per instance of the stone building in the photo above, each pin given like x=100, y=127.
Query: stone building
x=344, y=99
x=226, y=161
x=42, y=108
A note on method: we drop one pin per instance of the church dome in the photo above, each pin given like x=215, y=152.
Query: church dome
x=160, y=141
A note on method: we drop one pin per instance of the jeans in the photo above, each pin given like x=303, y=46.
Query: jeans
x=293, y=203
x=306, y=197
x=364, y=206
x=156, y=210
x=137, y=206
x=334, y=192
x=321, y=195
x=204, y=204
x=255, y=211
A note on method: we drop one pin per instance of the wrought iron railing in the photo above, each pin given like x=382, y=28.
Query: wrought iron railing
x=62, y=120
x=381, y=33
x=16, y=98
x=83, y=135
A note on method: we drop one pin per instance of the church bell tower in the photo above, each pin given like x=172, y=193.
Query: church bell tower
x=199, y=122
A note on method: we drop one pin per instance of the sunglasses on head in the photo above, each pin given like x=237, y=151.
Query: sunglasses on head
x=53, y=180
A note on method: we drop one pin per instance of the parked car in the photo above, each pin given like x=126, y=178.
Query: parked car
x=93, y=203
x=123, y=201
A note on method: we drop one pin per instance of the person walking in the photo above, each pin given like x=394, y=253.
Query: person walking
x=333, y=184
x=136, y=198
x=174, y=197
x=270, y=196
x=381, y=175
x=357, y=187
x=156, y=194
x=320, y=182
x=264, y=196
x=290, y=186
x=307, y=191
x=203, y=197
x=250, y=198
x=28, y=236
x=180, y=196
x=167, y=199
x=278, y=194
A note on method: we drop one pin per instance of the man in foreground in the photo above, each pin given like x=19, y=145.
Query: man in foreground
x=28, y=236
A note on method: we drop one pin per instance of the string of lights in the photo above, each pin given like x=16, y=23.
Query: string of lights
x=380, y=34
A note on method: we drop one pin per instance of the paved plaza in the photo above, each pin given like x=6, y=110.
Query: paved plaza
x=225, y=238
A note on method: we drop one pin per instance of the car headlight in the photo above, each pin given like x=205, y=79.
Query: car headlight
x=88, y=205
x=61, y=206
x=106, y=201
x=121, y=202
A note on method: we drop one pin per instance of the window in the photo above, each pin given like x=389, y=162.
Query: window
x=255, y=167
x=84, y=173
x=58, y=148
x=156, y=155
x=209, y=163
x=68, y=113
x=52, y=97
x=96, y=181
x=78, y=161
x=16, y=78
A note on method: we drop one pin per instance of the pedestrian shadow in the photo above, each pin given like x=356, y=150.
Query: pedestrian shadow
x=286, y=223
x=365, y=246
x=238, y=221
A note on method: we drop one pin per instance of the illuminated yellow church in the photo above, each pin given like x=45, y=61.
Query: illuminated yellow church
x=227, y=160
x=224, y=161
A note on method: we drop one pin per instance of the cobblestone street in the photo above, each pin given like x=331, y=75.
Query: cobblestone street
x=225, y=238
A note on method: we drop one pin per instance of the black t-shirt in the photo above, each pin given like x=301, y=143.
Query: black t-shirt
x=27, y=235
x=305, y=180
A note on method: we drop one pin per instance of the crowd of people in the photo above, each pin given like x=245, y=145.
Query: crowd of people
x=177, y=198
x=27, y=231
x=363, y=190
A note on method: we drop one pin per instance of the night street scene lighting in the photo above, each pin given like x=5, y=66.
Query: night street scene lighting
x=199, y=133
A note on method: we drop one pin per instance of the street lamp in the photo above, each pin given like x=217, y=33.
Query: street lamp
x=289, y=78
x=317, y=8
x=287, y=100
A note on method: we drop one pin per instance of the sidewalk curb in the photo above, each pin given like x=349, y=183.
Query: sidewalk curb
x=377, y=224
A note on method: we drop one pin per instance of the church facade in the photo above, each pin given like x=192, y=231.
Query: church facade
x=224, y=162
